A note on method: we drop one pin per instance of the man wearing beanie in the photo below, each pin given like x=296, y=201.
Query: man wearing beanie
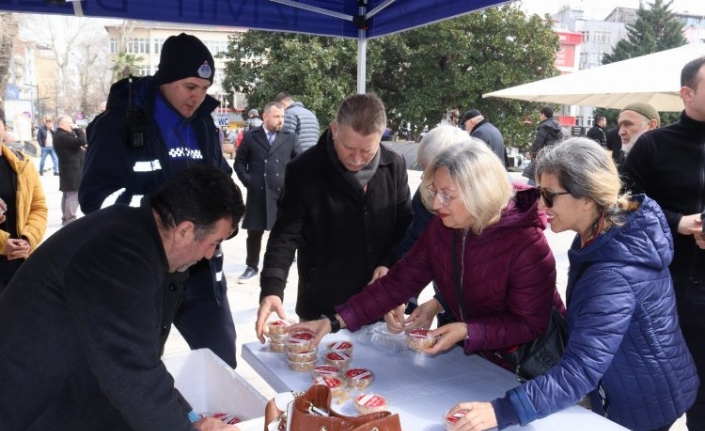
x=668, y=165
x=136, y=145
x=634, y=120
x=479, y=127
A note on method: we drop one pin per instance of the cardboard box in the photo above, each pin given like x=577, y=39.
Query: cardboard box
x=211, y=386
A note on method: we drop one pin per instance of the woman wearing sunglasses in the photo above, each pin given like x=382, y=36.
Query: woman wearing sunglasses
x=625, y=348
x=494, y=232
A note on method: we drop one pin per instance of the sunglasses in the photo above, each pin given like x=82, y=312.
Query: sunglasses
x=548, y=196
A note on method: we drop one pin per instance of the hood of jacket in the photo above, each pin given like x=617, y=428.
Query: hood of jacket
x=552, y=125
x=521, y=211
x=644, y=238
x=143, y=92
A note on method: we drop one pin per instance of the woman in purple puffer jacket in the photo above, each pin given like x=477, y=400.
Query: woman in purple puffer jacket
x=506, y=267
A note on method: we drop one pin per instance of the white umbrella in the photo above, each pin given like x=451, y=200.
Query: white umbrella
x=652, y=78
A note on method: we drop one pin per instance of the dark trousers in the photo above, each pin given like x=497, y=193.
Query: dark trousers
x=204, y=318
x=695, y=339
x=254, y=246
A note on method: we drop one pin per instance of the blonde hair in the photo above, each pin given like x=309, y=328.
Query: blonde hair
x=482, y=182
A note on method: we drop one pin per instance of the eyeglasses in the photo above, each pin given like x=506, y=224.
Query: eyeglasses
x=549, y=196
x=443, y=198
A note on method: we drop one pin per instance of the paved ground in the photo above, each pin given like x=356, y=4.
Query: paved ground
x=244, y=297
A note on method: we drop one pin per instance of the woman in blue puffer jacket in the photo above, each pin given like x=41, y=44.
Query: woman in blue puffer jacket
x=625, y=347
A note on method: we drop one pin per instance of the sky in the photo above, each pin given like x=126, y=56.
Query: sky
x=599, y=9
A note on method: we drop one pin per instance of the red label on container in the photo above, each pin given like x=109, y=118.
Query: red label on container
x=326, y=369
x=358, y=374
x=340, y=345
x=330, y=381
x=371, y=400
x=338, y=356
x=456, y=416
x=300, y=337
x=419, y=333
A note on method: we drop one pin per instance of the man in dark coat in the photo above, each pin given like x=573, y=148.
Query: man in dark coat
x=260, y=165
x=547, y=133
x=84, y=321
x=480, y=127
x=668, y=165
x=70, y=146
x=139, y=143
x=345, y=205
x=597, y=131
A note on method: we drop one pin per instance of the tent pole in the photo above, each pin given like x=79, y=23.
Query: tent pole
x=361, y=61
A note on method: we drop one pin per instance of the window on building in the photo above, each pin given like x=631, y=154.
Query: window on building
x=138, y=45
x=113, y=45
x=141, y=70
x=158, y=42
x=216, y=46
x=598, y=36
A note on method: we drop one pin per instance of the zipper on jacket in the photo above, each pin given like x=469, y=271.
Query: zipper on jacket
x=462, y=268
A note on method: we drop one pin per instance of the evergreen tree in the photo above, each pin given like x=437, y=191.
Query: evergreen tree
x=655, y=29
x=420, y=74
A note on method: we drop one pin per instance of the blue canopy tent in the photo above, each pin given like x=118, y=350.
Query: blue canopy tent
x=359, y=19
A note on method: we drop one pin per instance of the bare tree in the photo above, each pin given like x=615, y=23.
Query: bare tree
x=8, y=33
x=93, y=74
x=65, y=36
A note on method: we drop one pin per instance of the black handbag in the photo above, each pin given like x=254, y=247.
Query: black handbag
x=537, y=356
x=534, y=358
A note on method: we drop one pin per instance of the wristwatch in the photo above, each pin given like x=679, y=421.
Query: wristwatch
x=334, y=323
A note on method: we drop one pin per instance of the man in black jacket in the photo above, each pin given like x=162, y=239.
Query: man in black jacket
x=668, y=164
x=345, y=205
x=260, y=164
x=547, y=133
x=81, y=322
x=597, y=131
x=70, y=145
x=139, y=143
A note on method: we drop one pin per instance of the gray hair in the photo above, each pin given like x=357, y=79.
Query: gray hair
x=482, y=182
x=63, y=118
x=586, y=170
x=437, y=140
x=364, y=113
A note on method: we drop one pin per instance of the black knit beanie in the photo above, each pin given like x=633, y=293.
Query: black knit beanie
x=184, y=56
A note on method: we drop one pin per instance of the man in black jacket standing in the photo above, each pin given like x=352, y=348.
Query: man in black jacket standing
x=260, y=164
x=70, y=146
x=345, y=206
x=597, y=131
x=668, y=164
x=547, y=133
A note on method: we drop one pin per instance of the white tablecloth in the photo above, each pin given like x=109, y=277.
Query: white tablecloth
x=419, y=387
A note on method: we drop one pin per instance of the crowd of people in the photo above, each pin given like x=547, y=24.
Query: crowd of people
x=84, y=316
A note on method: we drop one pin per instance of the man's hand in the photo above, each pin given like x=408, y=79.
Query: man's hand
x=16, y=249
x=320, y=327
x=268, y=305
x=214, y=424
x=379, y=272
x=688, y=223
x=697, y=232
x=479, y=417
